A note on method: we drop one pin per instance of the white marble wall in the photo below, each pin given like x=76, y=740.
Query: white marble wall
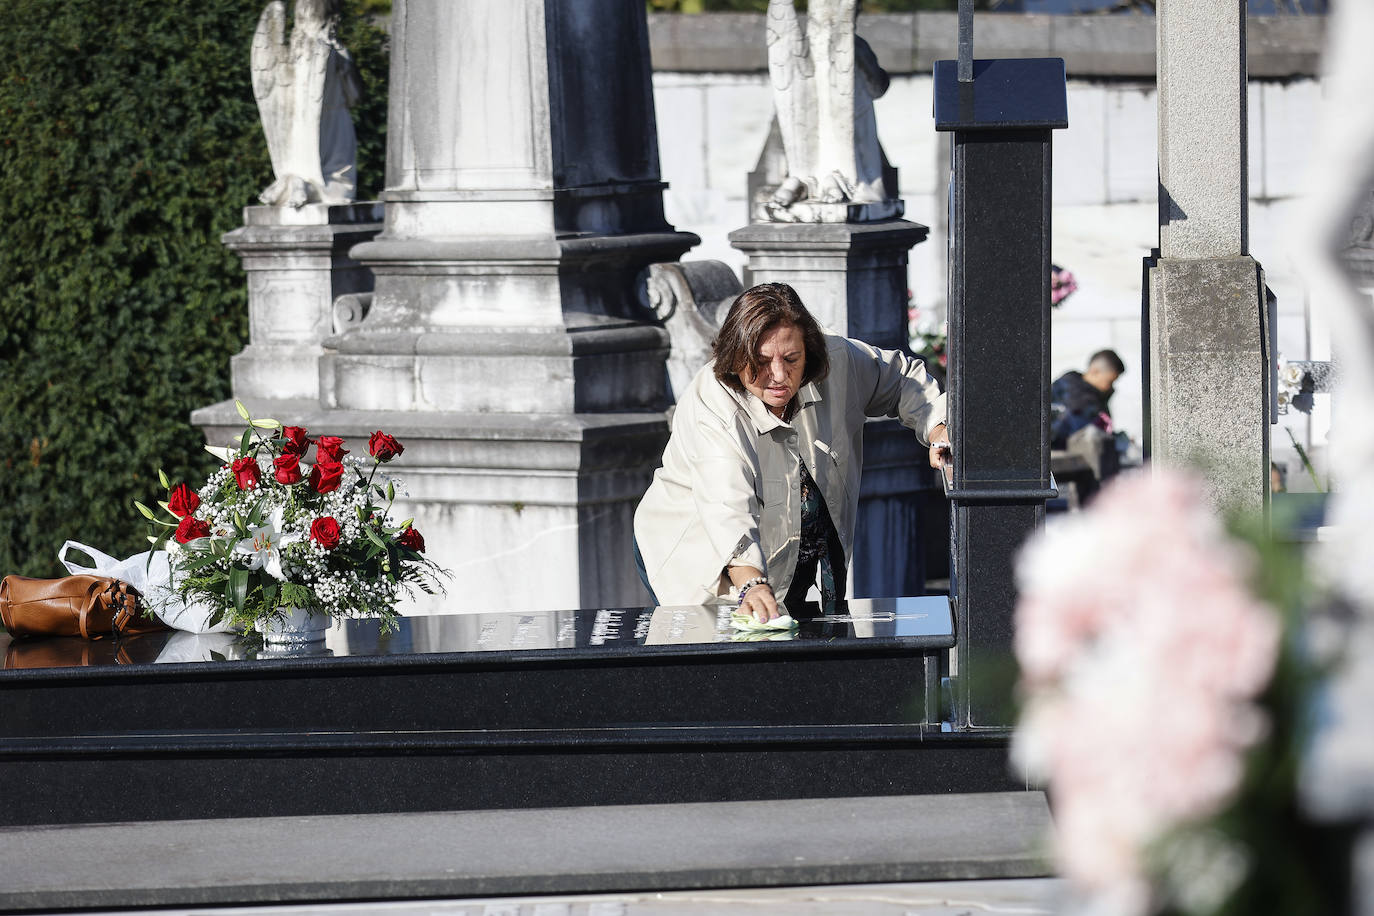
x=711, y=127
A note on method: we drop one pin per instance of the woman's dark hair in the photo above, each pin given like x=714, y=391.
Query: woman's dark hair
x=753, y=314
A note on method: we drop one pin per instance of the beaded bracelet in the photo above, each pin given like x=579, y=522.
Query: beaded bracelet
x=757, y=580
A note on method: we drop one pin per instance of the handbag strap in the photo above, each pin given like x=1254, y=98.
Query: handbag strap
x=127, y=603
x=5, y=604
x=103, y=561
x=94, y=591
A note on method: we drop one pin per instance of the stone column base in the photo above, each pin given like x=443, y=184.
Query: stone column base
x=1207, y=383
x=549, y=326
x=851, y=276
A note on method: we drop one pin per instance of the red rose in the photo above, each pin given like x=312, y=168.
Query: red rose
x=190, y=529
x=325, y=476
x=325, y=532
x=329, y=449
x=246, y=472
x=411, y=539
x=296, y=440
x=384, y=447
x=183, y=500
x=288, y=468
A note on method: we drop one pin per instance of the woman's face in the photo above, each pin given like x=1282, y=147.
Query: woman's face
x=782, y=353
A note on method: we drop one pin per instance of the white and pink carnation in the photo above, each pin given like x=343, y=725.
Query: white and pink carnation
x=1141, y=651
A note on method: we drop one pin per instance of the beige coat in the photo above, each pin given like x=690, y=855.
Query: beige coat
x=730, y=484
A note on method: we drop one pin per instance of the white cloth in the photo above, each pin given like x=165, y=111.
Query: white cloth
x=730, y=484
x=151, y=574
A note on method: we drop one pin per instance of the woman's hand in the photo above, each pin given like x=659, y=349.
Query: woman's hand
x=940, y=448
x=758, y=599
x=760, y=603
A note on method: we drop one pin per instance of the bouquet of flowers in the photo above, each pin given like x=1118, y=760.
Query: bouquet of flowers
x=267, y=534
x=1292, y=379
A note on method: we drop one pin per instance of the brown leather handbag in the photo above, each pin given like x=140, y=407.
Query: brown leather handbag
x=89, y=606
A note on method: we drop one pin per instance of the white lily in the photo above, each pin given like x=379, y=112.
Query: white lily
x=265, y=543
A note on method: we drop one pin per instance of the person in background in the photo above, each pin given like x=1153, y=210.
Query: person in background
x=1080, y=399
x=1080, y=418
x=757, y=498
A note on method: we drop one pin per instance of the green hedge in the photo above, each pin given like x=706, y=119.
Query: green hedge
x=129, y=143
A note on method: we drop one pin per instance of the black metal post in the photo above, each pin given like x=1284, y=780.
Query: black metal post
x=999, y=334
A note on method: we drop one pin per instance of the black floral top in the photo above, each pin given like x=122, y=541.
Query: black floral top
x=821, y=557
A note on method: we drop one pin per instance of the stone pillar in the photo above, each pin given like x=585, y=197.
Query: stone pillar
x=297, y=264
x=505, y=345
x=999, y=343
x=853, y=278
x=1206, y=336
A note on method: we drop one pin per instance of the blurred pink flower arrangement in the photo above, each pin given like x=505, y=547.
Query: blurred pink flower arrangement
x=1062, y=285
x=1142, y=652
x=928, y=334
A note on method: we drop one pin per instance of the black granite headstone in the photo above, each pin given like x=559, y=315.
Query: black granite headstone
x=466, y=711
x=999, y=332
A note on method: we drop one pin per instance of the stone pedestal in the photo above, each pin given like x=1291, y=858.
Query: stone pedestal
x=1208, y=395
x=526, y=511
x=852, y=277
x=297, y=263
x=1205, y=319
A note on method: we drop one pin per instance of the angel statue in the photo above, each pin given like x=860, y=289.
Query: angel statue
x=824, y=82
x=304, y=87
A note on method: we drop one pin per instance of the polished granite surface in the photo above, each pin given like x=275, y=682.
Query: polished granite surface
x=915, y=623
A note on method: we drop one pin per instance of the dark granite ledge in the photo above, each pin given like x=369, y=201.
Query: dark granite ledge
x=713, y=737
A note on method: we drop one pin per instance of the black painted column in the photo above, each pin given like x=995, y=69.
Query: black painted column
x=999, y=344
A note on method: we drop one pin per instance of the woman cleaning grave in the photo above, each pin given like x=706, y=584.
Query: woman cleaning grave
x=757, y=497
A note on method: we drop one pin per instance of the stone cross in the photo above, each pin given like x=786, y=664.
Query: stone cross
x=1207, y=360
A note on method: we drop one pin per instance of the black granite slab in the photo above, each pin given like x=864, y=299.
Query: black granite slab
x=603, y=706
x=573, y=670
x=586, y=634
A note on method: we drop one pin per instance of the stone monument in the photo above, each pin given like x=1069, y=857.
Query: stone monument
x=295, y=247
x=830, y=229
x=1207, y=353
x=505, y=343
x=824, y=82
x=304, y=86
